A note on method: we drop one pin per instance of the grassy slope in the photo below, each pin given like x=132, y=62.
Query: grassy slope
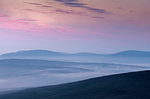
x=122, y=86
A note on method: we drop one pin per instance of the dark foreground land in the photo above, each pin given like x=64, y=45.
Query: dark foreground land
x=134, y=85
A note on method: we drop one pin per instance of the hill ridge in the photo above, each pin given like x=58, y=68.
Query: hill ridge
x=133, y=85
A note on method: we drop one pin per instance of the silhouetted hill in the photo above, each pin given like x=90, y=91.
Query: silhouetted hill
x=128, y=57
x=132, y=53
x=33, y=53
x=87, y=54
x=46, y=53
x=134, y=85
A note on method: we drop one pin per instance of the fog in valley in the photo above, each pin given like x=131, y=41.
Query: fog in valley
x=25, y=73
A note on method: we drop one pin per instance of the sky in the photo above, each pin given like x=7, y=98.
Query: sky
x=100, y=26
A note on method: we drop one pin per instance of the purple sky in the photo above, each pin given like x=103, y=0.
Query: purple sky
x=101, y=26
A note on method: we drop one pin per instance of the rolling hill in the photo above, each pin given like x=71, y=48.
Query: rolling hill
x=132, y=53
x=124, y=57
x=135, y=85
x=32, y=53
x=47, y=53
x=16, y=73
x=43, y=53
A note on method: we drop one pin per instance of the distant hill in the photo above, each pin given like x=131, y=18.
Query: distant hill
x=33, y=53
x=43, y=53
x=46, y=53
x=132, y=53
x=87, y=54
x=134, y=85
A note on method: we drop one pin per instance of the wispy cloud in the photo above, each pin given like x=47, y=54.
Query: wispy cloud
x=70, y=12
x=46, y=6
x=97, y=17
x=3, y=15
x=33, y=3
x=26, y=20
x=18, y=24
x=76, y=3
x=69, y=3
x=39, y=4
x=77, y=13
x=66, y=0
x=95, y=9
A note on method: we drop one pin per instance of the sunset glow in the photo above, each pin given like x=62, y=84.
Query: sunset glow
x=101, y=26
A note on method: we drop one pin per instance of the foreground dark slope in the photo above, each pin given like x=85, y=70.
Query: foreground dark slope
x=122, y=86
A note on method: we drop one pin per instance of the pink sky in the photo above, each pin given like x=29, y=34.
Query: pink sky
x=101, y=26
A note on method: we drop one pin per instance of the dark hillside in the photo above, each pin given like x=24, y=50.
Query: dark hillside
x=134, y=85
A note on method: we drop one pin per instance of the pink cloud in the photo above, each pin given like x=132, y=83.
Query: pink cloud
x=19, y=24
